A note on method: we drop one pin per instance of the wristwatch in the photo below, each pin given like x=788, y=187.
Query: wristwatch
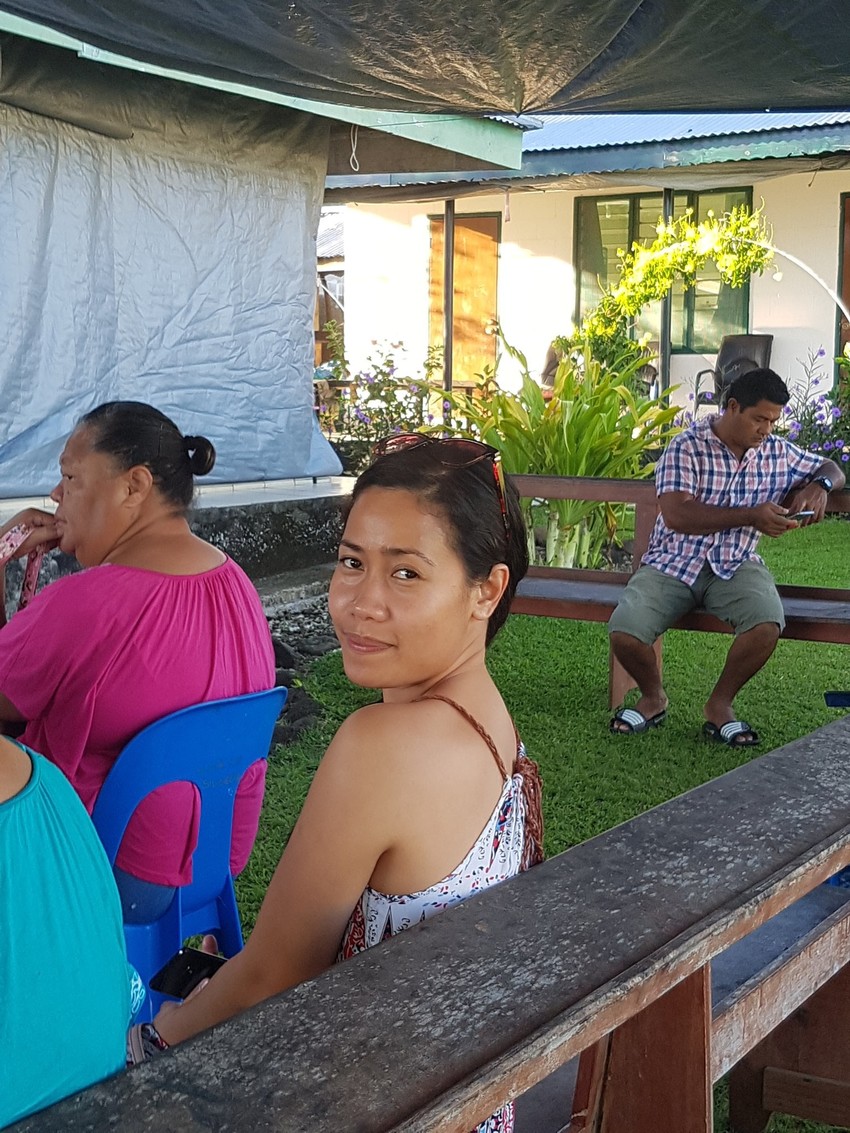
x=824, y=482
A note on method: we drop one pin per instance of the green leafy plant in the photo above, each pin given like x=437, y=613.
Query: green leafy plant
x=593, y=425
x=615, y=349
x=338, y=363
x=738, y=242
x=841, y=393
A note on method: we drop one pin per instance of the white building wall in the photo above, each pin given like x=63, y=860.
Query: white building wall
x=387, y=274
x=536, y=278
x=804, y=210
x=386, y=281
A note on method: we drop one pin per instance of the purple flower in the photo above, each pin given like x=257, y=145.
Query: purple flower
x=840, y=443
x=816, y=382
x=821, y=353
x=836, y=412
x=827, y=445
x=690, y=397
x=846, y=457
x=787, y=411
x=709, y=397
x=447, y=405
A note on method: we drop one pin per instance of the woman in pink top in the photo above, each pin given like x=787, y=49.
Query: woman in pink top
x=157, y=621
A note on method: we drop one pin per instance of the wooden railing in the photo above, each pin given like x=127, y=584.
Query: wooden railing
x=613, y=942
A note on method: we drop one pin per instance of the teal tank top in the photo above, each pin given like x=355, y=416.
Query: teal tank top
x=64, y=987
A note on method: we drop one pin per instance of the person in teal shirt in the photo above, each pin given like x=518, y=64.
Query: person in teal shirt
x=62, y=953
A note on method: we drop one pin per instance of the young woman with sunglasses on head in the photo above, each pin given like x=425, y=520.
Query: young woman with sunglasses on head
x=427, y=797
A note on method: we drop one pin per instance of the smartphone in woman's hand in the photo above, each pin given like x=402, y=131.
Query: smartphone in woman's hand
x=184, y=971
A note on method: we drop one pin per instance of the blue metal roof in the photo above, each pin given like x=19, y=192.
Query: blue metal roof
x=592, y=131
x=330, y=240
x=577, y=145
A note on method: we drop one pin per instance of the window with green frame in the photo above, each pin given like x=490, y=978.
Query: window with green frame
x=701, y=315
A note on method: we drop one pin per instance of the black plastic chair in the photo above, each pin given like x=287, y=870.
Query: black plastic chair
x=738, y=354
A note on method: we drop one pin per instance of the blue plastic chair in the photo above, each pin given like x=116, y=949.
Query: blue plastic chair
x=210, y=745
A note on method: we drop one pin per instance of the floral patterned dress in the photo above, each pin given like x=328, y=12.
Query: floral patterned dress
x=495, y=856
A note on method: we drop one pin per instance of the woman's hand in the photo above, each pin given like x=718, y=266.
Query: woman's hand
x=42, y=531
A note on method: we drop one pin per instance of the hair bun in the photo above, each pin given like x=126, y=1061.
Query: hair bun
x=201, y=454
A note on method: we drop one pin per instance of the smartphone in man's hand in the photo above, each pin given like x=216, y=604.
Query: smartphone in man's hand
x=807, y=513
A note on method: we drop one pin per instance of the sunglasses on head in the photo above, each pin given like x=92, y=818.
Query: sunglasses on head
x=455, y=452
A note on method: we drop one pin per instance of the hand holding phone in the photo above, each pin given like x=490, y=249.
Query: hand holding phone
x=184, y=971
x=797, y=516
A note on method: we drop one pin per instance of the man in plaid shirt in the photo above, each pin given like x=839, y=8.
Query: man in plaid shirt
x=721, y=485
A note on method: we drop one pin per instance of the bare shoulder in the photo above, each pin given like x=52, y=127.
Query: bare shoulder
x=382, y=738
x=421, y=743
x=382, y=728
x=15, y=769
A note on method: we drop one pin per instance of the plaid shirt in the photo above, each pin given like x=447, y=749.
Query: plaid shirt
x=699, y=463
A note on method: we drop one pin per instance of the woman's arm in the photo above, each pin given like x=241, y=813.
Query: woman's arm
x=43, y=532
x=349, y=819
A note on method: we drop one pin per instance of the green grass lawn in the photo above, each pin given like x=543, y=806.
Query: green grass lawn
x=553, y=676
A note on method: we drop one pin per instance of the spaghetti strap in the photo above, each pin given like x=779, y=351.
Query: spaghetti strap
x=528, y=772
x=485, y=735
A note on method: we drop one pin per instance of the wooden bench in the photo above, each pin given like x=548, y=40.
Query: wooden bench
x=607, y=949
x=812, y=613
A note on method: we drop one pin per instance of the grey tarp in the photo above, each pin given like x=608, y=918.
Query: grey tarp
x=172, y=261
x=488, y=55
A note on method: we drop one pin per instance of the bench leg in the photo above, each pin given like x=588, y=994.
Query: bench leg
x=592, y=1065
x=802, y=1068
x=619, y=681
x=656, y=1073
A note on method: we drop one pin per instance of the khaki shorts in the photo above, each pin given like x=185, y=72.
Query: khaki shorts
x=652, y=601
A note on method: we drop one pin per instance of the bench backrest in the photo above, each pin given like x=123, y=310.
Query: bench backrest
x=435, y=1028
x=640, y=493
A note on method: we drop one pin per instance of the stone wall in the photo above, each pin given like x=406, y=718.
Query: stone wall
x=266, y=539
x=273, y=537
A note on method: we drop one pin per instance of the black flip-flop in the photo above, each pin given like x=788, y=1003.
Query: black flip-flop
x=635, y=721
x=737, y=733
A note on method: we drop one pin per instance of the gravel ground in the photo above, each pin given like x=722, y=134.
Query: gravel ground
x=301, y=631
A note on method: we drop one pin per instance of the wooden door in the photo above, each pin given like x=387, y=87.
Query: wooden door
x=475, y=278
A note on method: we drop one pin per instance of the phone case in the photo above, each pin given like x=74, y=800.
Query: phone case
x=30, y=577
x=8, y=545
x=12, y=540
x=184, y=971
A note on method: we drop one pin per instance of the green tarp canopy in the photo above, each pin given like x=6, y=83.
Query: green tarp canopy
x=480, y=56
